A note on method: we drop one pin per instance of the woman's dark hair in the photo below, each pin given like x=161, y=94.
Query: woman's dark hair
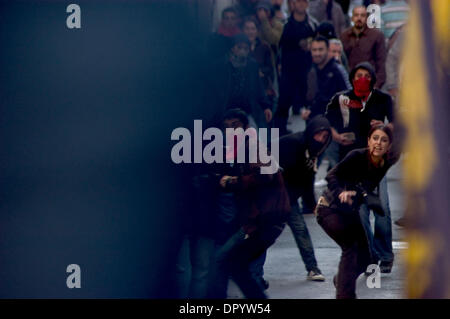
x=385, y=128
x=236, y=113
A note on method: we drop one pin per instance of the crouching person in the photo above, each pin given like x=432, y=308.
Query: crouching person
x=262, y=206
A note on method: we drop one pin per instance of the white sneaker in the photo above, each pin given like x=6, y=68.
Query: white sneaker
x=315, y=275
x=321, y=183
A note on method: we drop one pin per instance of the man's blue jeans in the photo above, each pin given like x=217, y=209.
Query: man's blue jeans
x=332, y=153
x=298, y=226
x=193, y=267
x=380, y=243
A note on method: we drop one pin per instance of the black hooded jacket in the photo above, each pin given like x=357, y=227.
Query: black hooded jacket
x=377, y=107
x=298, y=156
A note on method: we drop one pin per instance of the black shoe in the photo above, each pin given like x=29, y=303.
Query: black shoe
x=401, y=222
x=386, y=267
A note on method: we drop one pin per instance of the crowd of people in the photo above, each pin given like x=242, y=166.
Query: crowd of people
x=319, y=60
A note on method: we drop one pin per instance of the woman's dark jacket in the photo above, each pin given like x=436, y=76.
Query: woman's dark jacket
x=356, y=171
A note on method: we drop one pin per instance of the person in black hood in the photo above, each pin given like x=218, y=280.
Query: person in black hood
x=298, y=159
x=353, y=114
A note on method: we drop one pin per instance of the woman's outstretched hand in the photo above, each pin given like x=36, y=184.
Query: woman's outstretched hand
x=346, y=197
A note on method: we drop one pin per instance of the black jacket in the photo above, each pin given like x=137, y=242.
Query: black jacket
x=377, y=107
x=322, y=85
x=220, y=90
x=297, y=158
x=357, y=169
x=294, y=58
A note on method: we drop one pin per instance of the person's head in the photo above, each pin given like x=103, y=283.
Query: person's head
x=379, y=141
x=359, y=17
x=319, y=50
x=335, y=50
x=318, y=135
x=300, y=6
x=291, y=6
x=326, y=29
x=250, y=29
x=322, y=136
x=229, y=18
x=240, y=49
x=235, y=118
x=265, y=5
x=363, y=78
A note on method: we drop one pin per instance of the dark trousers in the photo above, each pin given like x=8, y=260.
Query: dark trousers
x=235, y=257
x=292, y=93
x=346, y=230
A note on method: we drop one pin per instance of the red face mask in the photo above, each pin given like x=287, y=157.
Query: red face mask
x=362, y=87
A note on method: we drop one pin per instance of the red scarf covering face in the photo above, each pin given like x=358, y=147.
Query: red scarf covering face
x=361, y=87
x=228, y=32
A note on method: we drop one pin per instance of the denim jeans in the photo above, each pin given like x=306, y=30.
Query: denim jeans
x=332, y=153
x=298, y=226
x=257, y=268
x=193, y=267
x=380, y=243
x=346, y=230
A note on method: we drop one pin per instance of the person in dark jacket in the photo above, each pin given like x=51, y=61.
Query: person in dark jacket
x=262, y=204
x=298, y=159
x=362, y=43
x=220, y=42
x=236, y=84
x=350, y=184
x=295, y=62
x=354, y=113
x=261, y=52
x=324, y=80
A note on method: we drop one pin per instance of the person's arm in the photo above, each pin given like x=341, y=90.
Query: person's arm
x=344, y=37
x=262, y=99
x=272, y=32
x=338, y=176
x=267, y=67
x=390, y=114
x=380, y=60
x=397, y=145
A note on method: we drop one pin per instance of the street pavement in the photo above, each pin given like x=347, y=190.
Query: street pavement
x=285, y=271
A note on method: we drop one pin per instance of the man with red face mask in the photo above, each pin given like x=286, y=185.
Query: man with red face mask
x=352, y=113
